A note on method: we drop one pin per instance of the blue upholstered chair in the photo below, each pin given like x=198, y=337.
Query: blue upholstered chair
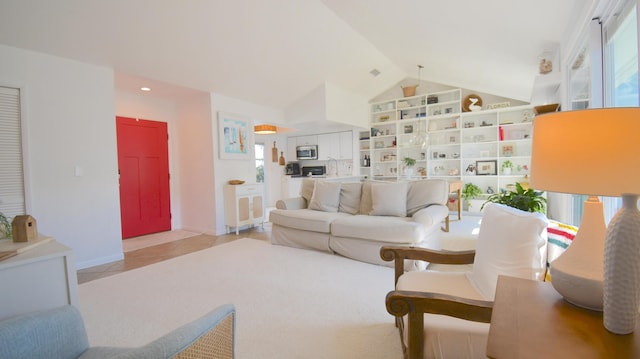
x=60, y=333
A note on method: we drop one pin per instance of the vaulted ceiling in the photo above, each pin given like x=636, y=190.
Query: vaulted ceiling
x=273, y=52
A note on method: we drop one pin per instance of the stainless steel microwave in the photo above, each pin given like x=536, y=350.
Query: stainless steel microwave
x=307, y=152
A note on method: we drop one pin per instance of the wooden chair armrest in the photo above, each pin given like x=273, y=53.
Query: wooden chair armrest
x=399, y=254
x=400, y=303
x=415, y=304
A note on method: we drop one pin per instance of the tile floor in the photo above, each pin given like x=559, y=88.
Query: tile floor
x=150, y=255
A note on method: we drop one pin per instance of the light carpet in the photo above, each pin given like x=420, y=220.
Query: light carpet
x=290, y=303
x=132, y=244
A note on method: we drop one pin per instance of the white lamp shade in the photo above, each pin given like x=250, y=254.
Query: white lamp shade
x=595, y=152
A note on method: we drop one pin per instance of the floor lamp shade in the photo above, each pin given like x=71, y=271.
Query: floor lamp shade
x=594, y=152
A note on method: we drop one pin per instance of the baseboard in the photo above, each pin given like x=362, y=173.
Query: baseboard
x=100, y=261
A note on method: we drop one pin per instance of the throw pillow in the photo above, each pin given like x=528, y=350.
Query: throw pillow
x=424, y=193
x=389, y=199
x=326, y=196
x=560, y=237
x=350, y=197
x=510, y=242
x=306, y=191
x=365, y=199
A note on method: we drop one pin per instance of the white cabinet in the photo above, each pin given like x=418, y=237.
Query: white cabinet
x=328, y=146
x=243, y=205
x=346, y=145
x=337, y=146
x=291, y=149
x=39, y=278
x=307, y=140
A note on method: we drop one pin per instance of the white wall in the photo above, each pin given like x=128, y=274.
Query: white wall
x=69, y=123
x=346, y=107
x=197, y=199
x=225, y=170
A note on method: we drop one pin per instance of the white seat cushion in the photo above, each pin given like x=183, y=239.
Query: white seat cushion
x=379, y=228
x=305, y=219
x=447, y=337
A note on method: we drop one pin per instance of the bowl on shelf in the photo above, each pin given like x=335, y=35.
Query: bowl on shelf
x=236, y=182
x=539, y=110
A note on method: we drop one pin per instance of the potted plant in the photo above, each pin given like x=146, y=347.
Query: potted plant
x=528, y=200
x=507, y=166
x=5, y=227
x=470, y=192
x=408, y=165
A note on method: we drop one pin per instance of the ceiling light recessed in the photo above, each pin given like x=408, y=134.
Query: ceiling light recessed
x=145, y=88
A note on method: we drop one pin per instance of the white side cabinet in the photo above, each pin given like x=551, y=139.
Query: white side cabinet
x=243, y=205
x=39, y=278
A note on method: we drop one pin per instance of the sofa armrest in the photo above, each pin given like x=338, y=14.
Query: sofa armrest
x=292, y=203
x=431, y=216
x=52, y=333
x=210, y=336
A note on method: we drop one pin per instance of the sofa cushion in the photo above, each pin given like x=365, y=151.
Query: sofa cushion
x=306, y=190
x=389, y=199
x=365, y=199
x=350, y=194
x=424, y=193
x=305, y=219
x=379, y=228
x=510, y=242
x=325, y=197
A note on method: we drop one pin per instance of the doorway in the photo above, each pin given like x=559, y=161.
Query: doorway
x=143, y=166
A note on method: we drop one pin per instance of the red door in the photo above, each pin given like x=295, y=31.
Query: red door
x=143, y=164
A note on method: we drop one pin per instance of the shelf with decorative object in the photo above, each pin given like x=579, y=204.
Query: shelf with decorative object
x=448, y=143
x=499, y=141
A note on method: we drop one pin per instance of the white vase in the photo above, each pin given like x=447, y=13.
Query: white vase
x=408, y=171
x=506, y=171
x=622, y=268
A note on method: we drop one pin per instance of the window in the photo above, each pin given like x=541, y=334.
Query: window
x=621, y=59
x=259, y=151
x=604, y=73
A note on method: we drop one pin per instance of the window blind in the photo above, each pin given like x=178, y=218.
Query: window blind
x=12, y=201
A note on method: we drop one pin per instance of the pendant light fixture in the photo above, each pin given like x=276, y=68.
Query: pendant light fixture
x=264, y=129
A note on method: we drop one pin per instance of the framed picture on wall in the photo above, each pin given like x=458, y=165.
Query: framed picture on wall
x=235, y=138
x=486, y=168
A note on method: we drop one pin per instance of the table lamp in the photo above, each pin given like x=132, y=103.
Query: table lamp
x=595, y=152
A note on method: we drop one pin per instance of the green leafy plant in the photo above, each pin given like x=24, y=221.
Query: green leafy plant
x=409, y=162
x=507, y=164
x=5, y=226
x=470, y=191
x=528, y=200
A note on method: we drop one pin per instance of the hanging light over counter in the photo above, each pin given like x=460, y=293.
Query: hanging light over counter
x=264, y=129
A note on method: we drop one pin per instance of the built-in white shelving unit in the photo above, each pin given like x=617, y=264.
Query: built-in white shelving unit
x=446, y=142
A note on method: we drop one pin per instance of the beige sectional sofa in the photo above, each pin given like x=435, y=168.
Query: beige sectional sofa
x=356, y=219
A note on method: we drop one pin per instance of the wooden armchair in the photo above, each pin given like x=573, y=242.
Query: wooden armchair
x=446, y=314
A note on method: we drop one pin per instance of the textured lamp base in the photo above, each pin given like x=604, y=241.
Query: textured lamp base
x=622, y=268
x=578, y=273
